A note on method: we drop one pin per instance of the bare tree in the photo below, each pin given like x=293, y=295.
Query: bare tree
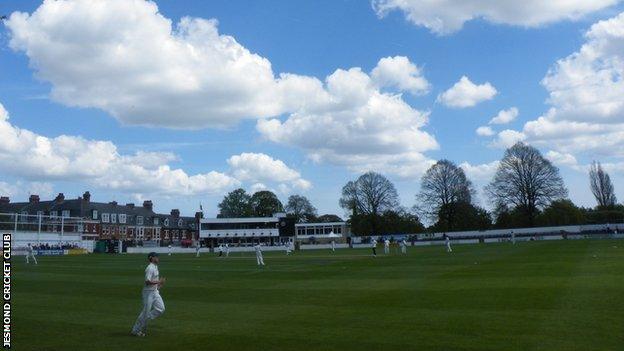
x=526, y=180
x=300, y=208
x=442, y=188
x=601, y=186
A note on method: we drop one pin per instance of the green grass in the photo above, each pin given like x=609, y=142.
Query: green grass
x=564, y=295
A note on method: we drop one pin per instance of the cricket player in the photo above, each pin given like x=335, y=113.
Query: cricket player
x=220, y=250
x=403, y=247
x=30, y=254
x=448, y=244
x=374, y=246
x=169, y=249
x=197, y=246
x=333, y=246
x=259, y=258
x=227, y=250
x=153, y=305
x=513, y=237
x=287, y=245
x=386, y=246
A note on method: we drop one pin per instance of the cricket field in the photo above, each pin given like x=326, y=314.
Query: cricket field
x=557, y=295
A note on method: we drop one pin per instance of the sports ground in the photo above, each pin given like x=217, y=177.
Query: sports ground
x=559, y=295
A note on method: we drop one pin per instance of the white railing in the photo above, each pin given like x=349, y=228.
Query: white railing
x=239, y=233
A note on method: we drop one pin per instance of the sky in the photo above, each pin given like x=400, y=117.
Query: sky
x=182, y=101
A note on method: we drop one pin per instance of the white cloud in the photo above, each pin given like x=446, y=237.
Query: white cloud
x=485, y=131
x=400, y=73
x=505, y=116
x=482, y=172
x=26, y=154
x=446, y=16
x=585, y=92
x=21, y=189
x=467, y=94
x=258, y=168
x=508, y=138
x=358, y=126
x=563, y=159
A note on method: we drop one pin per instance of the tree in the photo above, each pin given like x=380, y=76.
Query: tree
x=443, y=188
x=264, y=204
x=370, y=195
x=526, y=180
x=328, y=218
x=601, y=186
x=561, y=212
x=466, y=216
x=386, y=223
x=300, y=208
x=235, y=204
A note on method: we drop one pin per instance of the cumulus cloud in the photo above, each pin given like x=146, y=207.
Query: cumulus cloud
x=485, y=131
x=444, y=17
x=585, y=92
x=400, y=73
x=465, y=93
x=505, y=116
x=508, y=138
x=357, y=126
x=480, y=173
x=563, y=159
x=26, y=154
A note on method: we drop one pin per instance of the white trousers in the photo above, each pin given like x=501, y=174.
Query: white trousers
x=153, y=306
x=403, y=249
x=197, y=253
x=448, y=248
x=30, y=255
x=386, y=250
x=259, y=259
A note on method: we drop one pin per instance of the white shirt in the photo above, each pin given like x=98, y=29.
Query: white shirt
x=374, y=243
x=258, y=248
x=387, y=243
x=151, y=274
x=29, y=249
x=403, y=243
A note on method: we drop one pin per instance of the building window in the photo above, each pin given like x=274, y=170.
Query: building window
x=65, y=213
x=95, y=214
x=166, y=222
x=122, y=218
x=155, y=220
x=113, y=218
x=105, y=217
x=139, y=220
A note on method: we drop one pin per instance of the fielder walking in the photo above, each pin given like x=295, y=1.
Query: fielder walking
x=448, y=244
x=259, y=258
x=30, y=254
x=386, y=246
x=374, y=246
x=227, y=250
x=403, y=247
x=197, y=246
x=153, y=305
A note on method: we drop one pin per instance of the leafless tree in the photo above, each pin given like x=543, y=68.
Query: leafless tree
x=300, y=208
x=601, y=185
x=370, y=194
x=443, y=186
x=526, y=180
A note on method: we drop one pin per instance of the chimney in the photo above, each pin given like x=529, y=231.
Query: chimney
x=86, y=196
x=131, y=205
x=4, y=200
x=33, y=199
x=114, y=203
x=175, y=213
x=60, y=197
x=199, y=215
x=148, y=204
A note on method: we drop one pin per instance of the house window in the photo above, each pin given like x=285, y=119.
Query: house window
x=122, y=218
x=113, y=218
x=95, y=214
x=166, y=222
x=65, y=213
x=155, y=220
x=179, y=222
x=105, y=217
x=139, y=220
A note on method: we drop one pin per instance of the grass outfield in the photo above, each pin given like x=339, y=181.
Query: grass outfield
x=563, y=295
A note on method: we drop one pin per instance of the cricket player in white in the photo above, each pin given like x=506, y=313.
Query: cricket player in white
x=333, y=245
x=227, y=250
x=197, y=246
x=448, y=244
x=153, y=305
x=513, y=237
x=259, y=258
x=374, y=247
x=30, y=254
x=403, y=246
x=169, y=249
x=386, y=246
x=287, y=245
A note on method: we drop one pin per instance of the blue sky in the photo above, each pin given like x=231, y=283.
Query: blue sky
x=309, y=39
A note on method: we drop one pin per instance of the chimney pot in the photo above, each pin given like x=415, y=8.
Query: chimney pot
x=86, y=196
x=148, y=204
x=33, y=199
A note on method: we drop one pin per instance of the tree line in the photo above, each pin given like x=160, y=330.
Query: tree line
x=526, y=190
